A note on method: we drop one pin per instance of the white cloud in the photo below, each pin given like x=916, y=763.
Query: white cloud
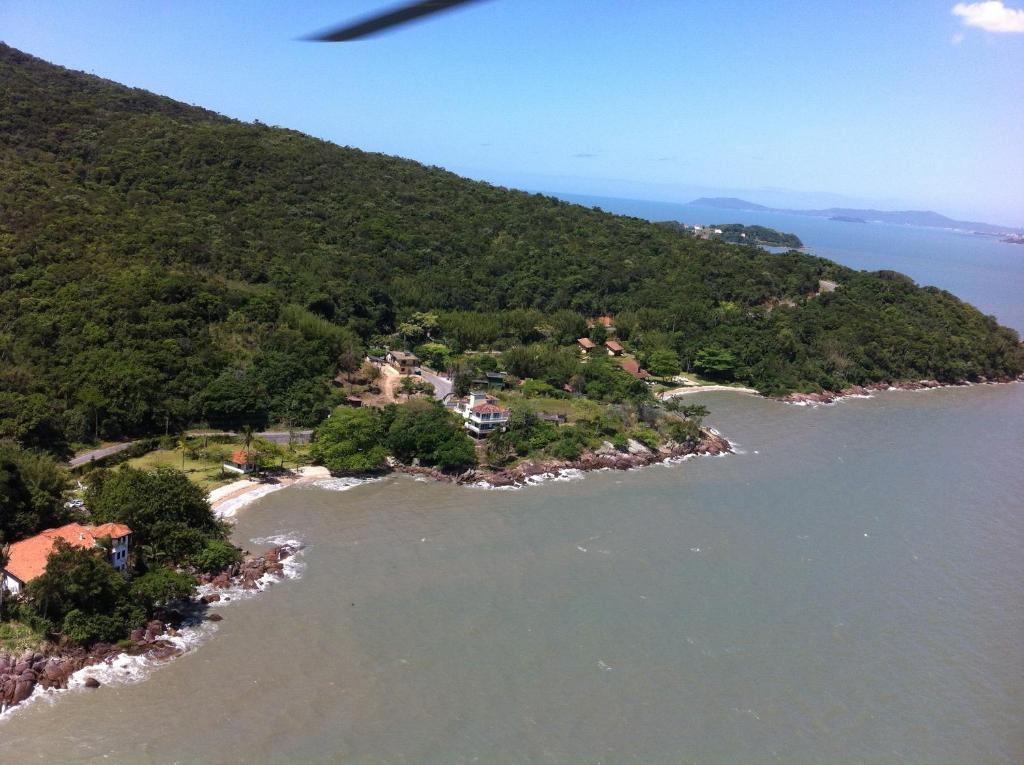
x=992, y=16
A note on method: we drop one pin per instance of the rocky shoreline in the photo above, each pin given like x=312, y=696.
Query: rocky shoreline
x=53, y=665
x=860, y=391
x=605, y=457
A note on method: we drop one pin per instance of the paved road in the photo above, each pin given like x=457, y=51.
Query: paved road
x=95, y=454
x=442, y=385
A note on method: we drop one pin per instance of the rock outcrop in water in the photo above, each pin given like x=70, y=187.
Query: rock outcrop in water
x=247, y=573
x=829, y=396
x=53, y=665
x=605, y=457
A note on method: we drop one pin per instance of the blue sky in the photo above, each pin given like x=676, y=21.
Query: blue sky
x=894, y=104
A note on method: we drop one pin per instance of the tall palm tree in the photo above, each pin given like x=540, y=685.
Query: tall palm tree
x=248, y=439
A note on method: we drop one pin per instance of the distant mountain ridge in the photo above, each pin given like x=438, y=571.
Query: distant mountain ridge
x=926, y=218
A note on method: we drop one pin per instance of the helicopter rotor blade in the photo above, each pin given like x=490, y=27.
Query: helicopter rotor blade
x=371, y=25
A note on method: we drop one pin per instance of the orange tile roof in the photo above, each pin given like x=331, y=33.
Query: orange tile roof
x=112, y=530
x=239, y=458
x=29, y=556
x=632, y=366
x=611, y=345
x=586, y=342
x=489, y=409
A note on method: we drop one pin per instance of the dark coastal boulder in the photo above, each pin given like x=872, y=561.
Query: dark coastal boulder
x=54, y=674
x=91, y=682
x=23, y=687
x=153, y=629
x=215, y=617
x=163, y=651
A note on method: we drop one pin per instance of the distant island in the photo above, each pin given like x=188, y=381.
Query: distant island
x=926, y=218
x=737, y=233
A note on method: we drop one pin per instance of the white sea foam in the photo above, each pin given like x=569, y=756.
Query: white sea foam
x=565, y=474
x=123, y=668
x=120, y=669
x=342, y=484
x=292, y=568
x=229, y=507
x=678, y=460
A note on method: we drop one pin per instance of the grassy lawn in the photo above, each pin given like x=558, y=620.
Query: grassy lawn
x=15, y=637
x=573, y=408
x=206, y=473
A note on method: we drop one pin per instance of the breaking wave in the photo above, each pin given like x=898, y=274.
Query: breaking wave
x=124, y=669
x=342, y=484
x=228, y=508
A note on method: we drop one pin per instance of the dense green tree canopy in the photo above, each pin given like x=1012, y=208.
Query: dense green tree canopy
x=350, y=442
x=84, y=595
x=427, y=432
x=161, y=264
x=32, y=487
x=169, y=515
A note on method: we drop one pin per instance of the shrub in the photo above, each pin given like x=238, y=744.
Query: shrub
x=647, y=437
x=160, y=585
x=532, y=388
x=216, y=556
x=85, y=629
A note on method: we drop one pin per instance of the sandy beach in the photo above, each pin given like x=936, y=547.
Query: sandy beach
x=704, y=389
x=227, y=500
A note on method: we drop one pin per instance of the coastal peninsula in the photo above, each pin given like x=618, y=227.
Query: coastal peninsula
x=189, y=281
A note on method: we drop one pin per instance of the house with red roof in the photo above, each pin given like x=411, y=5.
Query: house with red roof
x=27, y=559
x=586, y=344
x=632, y=367
x=482, y=413
x=614, y=348
x=605, y=321
x=240, y=461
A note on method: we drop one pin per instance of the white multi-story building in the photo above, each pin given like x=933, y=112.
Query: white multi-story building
x=482, y=413
x=28, y=558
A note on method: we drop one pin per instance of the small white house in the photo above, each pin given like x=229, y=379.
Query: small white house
x=482, y=413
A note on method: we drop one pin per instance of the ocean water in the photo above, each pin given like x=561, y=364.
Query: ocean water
x=979, y=269
x=846, y=588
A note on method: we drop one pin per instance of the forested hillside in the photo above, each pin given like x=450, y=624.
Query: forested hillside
x=162, y=265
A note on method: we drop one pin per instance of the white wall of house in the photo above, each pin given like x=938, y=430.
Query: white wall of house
x=119, y=552
x=11, y=584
